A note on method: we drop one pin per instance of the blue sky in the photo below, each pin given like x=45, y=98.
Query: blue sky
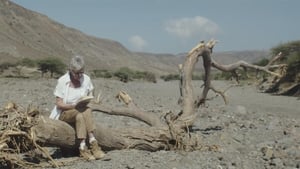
x=176, y=26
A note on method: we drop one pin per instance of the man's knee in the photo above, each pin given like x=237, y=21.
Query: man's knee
x=79, y=117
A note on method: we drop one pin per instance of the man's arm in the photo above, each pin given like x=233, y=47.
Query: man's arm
x=63, y=106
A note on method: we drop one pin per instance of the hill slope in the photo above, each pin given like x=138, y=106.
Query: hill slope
x=28, y=34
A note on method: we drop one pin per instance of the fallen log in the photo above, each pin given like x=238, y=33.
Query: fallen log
x=170, y=132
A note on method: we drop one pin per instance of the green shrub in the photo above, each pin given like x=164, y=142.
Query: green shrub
x=287, y=48
x=291, y=53
x=102, y=74
x=262, y=62
x=27, y=62
x=294, y=58
x=125, y=74
x=223, y=76
x=170, y=77
x=293, y=68
x=52, y=65
x=197, y=77
x=147, y=76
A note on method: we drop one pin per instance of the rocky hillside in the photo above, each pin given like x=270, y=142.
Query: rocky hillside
x=28, y=34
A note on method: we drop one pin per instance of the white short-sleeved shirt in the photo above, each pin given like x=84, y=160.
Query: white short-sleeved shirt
x=68, y=94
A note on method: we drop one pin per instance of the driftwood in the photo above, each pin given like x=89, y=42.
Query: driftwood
x=168, y=133
x=172, y=131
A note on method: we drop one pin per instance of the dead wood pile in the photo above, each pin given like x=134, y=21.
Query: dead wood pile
x=18, y=146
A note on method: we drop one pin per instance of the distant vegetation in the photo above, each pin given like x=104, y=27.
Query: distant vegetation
x=292, y=52
x=55, y=67
x=170, y=77
x=289, y=84
x=51, y=65
x=126, y=74
x=262, y=62
x=6, y=65
x=27, y=62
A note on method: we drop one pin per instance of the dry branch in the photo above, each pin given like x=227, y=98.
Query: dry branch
x=242, y=64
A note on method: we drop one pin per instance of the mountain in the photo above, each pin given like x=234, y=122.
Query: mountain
x=233, y=56
x=28, y=34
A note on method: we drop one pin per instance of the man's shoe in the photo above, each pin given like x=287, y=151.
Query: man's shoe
x=96, y=150
x=86, y=154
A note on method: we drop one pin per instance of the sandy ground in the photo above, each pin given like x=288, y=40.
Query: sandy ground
x=254, y=130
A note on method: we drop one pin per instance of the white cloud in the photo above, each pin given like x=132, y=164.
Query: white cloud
x=197, y=27
x=137, y=42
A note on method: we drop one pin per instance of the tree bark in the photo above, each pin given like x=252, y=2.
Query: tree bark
x=53, y=132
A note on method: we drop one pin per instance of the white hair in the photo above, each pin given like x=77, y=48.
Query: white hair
x=77, y=63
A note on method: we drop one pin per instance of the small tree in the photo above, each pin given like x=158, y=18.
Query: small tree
x=52, y=65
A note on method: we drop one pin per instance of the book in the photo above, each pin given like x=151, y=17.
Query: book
x=84, y=100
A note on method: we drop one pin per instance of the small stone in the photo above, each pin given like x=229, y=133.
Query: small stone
x=267, y=151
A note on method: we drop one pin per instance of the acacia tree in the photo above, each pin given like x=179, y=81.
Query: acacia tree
x=52, y=65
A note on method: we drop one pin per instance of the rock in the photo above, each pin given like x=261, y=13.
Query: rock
x=267, y=152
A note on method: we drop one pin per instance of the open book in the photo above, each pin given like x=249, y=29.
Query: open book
x=84, y=100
